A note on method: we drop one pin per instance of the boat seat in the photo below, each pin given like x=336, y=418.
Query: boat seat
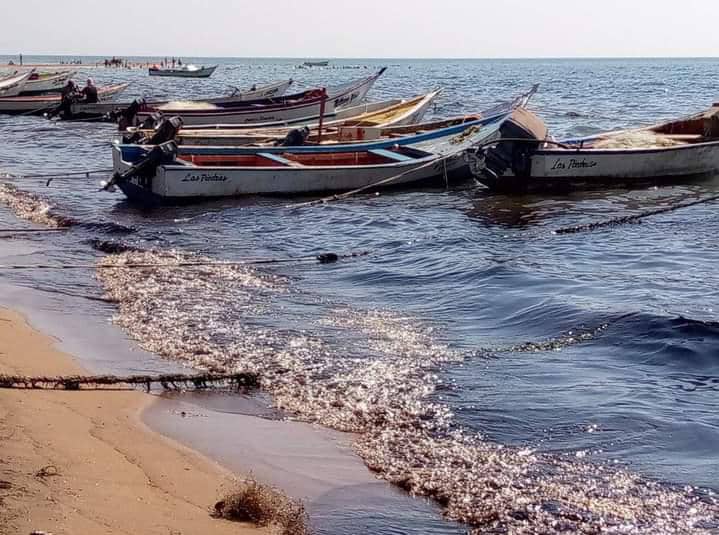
x=390, y=155
x=279, y=159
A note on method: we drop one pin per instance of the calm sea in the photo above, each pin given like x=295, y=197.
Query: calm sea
x=557, y=364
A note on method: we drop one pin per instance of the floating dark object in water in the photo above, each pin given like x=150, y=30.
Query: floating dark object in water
x=327, y=258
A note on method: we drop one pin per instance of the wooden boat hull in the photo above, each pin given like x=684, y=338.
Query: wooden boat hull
x=563, y=170
x=204, y=72
x=362, y=127
x=12, y=86
x=47, y=83
x=209, y=174
x=268, y=113
x=40, y=104
x=674, y=152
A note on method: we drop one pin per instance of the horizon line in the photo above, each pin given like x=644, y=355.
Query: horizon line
x=344, y=58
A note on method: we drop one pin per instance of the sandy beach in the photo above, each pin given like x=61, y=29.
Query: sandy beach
x=83, y=462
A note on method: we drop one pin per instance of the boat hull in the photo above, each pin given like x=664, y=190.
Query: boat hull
x=41, y=104
x=302, y=110
x=13, y=85
x=47, y=84
x=204, y=72
x=597, y=168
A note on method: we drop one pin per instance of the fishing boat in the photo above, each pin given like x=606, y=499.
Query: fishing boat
x=170, y=174
x=303, y=107
x=347, y=128
x=390, y=122
x=46, y=82
x=529, y=160
x=186, y=71
x=13, y=84
x=323, y=63
x=40, y=104
x=271, y=90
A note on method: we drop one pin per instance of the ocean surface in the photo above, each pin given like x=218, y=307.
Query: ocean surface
x=527, y=381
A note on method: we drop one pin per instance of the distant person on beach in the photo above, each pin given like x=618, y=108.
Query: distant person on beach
x=89, y=92
x=179, y=62
x=20, y=59
x=173, y=63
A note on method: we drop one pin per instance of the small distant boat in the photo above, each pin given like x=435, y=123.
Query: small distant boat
x=305, y=106
x=42, y=103
x=274, y=89
x=13, y=84
x=168, y=174
x=46, y=82
x=323, y=63
x=186, y=71
x=668, y=153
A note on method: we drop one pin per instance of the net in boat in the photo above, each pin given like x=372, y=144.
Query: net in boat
x=636, y=140
x=187, y=105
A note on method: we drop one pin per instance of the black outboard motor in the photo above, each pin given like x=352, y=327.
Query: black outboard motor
x=165, y=131
x=145, y=168
x=524, y=132
x=126, y=116
x=295, y=138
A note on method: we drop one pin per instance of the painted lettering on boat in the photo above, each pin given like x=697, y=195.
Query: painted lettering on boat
x=573, y=163
x=204, y=177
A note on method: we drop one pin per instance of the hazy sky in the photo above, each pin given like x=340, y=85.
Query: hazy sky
x=362, y=28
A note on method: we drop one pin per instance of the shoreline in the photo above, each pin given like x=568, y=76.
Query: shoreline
x=84, y=462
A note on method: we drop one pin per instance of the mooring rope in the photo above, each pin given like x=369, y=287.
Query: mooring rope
x=324, y=258
x=58, y=175
x=634, y=218
x=166, y=381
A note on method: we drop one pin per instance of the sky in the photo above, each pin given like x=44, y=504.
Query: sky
x=362, y=28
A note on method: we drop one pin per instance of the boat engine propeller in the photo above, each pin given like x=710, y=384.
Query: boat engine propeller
x=145, y=168
x=520, y=136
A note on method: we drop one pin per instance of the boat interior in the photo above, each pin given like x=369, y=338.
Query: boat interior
x=698, y=128
x=288, y=159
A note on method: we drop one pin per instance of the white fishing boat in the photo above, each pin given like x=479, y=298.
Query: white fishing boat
x=46, y=82
x=13, y=84
x=529, y=160
x=301, y=107
x=186, y=71
x=271, y=90
x=168, y=174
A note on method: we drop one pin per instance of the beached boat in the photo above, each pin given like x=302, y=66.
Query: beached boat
x=46, y=82
x=304, y=106
x=186, y=71
x=673, y=152
x=43, y=103
x=171, y=174
x=13, y=84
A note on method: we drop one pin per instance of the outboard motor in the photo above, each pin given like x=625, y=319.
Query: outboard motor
x=165, y=131
x=524, y=132
x=126, y=117
x=145, y=168
x=295, y=138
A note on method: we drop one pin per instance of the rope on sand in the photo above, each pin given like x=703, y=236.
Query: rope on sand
x=100, y=382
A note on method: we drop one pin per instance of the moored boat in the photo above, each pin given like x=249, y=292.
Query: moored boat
x=43, y=103
x=13, y=84
x=288, y=109
x=171, y=174
x=528, y=160
x=46, y=82
x=356, y=127
x=186, y=71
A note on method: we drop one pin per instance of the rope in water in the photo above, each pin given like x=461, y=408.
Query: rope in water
x=167, y=381
x=634, y=218
x=324, y=258
x=58, y=174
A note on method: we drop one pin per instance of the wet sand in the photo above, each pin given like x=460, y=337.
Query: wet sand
x=83, y=462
